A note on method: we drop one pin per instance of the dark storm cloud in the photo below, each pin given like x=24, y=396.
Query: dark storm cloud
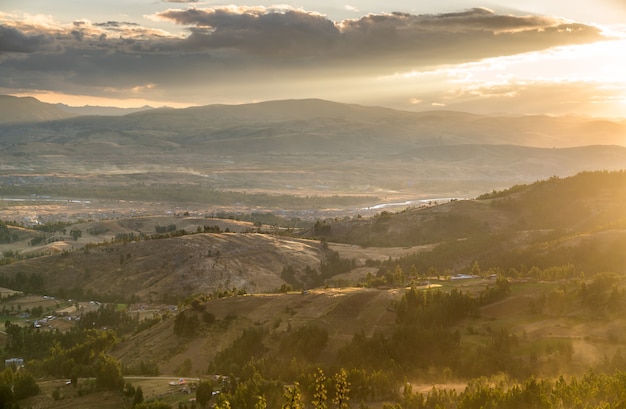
x=13, y=40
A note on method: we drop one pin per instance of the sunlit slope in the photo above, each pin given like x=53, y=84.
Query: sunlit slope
x=341, y=313
x=578, y=220
x=552, y=328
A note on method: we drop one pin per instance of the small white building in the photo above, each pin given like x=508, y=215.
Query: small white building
x=18, y=362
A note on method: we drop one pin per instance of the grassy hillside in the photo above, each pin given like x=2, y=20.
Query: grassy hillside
x=340, y=312
x=546, y=320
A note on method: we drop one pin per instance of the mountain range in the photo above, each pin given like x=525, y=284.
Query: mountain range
x=303, y=147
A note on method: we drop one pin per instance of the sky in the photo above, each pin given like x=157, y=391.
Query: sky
x=518, y=57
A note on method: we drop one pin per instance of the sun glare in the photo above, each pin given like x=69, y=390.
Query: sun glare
x=84, y=100
x=595, y=73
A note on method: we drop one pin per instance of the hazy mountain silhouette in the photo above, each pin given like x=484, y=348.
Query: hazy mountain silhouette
x=18, y=110
x=317, y=146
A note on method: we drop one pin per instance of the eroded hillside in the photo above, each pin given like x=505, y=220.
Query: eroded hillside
x=172, y=267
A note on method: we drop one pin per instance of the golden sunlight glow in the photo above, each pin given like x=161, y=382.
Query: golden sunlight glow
x=83, y=100
x=592, y=76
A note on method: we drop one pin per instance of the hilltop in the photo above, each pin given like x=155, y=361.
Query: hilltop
x=581, y=203
x=577, y=220
x=14, y=110
x=129, y=264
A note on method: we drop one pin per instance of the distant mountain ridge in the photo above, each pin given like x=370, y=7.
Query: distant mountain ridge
x=428, y=127
x=320, y=117
x=313, y=146
x=102, y=110
x=15, y=110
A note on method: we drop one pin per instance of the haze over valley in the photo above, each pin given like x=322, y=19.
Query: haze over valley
x=298, y=148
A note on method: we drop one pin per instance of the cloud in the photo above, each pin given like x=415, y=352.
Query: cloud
x=457, y=37
x=257, y=30
x=13, y=40
x=111, y=24
x=281, y=34
x=257, y=51
x=415, y=39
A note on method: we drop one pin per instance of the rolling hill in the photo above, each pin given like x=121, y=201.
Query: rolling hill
x=166, y=268
x=527, y=281
x=585, y=202
x=578, y=220
x=342, y=312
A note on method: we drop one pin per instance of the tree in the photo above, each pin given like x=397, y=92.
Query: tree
x=222, y=403
x=24, y=385
x=261, y=403
x=203, y=393
x=320, y=395
x=138, y=398
x=185, y=368
x=293, y=397
x=6, y=396
x=108, y=373
x=342, y=390
x=129, y=390
x=76, y=234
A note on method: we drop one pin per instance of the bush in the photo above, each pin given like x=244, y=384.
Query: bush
x=24, y=385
